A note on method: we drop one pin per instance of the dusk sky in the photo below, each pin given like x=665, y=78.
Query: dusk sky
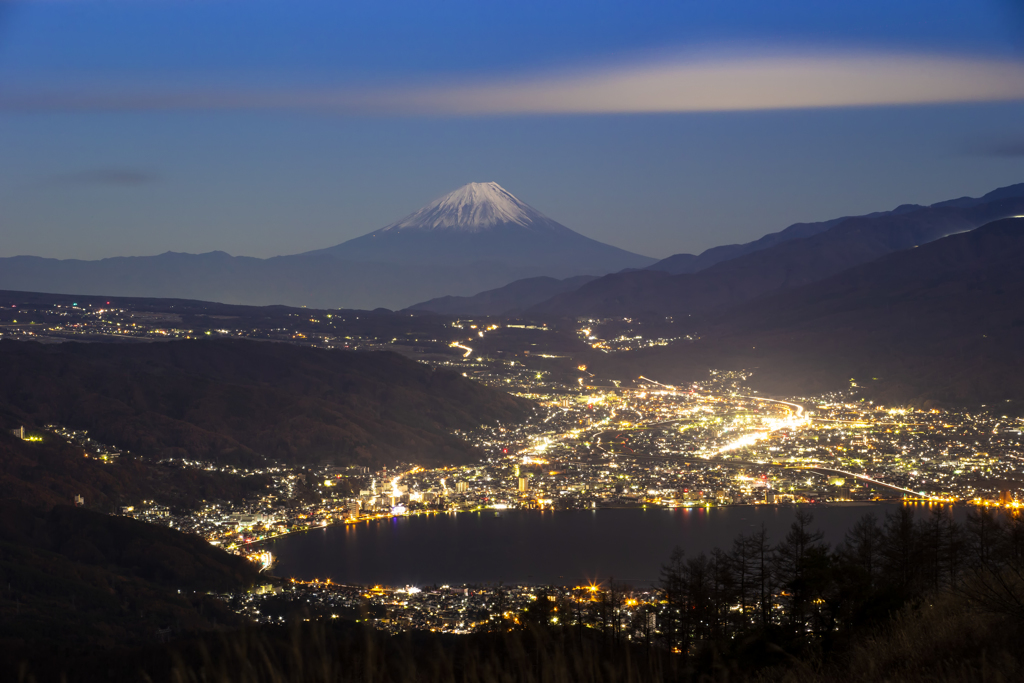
x=262, y=128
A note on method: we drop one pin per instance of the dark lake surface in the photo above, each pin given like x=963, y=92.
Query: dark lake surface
x=525, y=546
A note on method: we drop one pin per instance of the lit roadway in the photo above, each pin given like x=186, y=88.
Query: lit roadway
x=457, y=345
x=866, y=478
x=798, y=417
x=733, y=462
x=394, y=482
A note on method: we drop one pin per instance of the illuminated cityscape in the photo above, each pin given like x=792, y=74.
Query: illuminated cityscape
x=468, y=342
x=592, y=444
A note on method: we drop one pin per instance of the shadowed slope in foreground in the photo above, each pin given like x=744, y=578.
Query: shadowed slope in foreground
x=236, y=400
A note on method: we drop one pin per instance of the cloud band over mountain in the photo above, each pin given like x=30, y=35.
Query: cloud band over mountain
x=745, y=83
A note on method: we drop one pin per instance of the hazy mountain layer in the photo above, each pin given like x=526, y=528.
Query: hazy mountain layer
x=514, y=296
x=476, y=238
x=318, y=281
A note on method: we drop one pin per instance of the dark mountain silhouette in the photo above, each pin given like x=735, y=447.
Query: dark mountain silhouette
x=515, y=296
x=238, y=400
x=790, y=264
x=54, y=472
x=678, y=264
x=76, y=578
x=476, y=238
x=942, y=322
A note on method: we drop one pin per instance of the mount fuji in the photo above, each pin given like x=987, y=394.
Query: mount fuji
x=477, y=238
x=484, y=222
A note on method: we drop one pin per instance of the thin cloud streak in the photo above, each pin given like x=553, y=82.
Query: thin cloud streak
x=1006, y=149
x=774, y=82
x=123, y=177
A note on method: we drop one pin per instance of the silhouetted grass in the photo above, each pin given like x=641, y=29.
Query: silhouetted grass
x=329, y=653
x=945, y=640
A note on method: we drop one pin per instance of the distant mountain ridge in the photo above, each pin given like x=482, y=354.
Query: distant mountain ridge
x=476, y=238
x=677, y=264
x=527, y=293
x=790, y=264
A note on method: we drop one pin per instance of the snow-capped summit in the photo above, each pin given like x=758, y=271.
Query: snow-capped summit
x=471, y=208
x=483, y=223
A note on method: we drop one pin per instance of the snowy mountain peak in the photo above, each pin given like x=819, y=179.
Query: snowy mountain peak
x=471, y=208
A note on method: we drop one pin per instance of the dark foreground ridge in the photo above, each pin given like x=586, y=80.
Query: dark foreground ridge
x=76, y=578
x=238, y=401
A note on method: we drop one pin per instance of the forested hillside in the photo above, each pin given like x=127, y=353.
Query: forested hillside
x=241, y=401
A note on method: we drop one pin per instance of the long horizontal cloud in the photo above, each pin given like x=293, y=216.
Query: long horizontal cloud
x=747, y=84
x=732, y=84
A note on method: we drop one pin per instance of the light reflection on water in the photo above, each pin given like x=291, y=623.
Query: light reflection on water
x=524, y=546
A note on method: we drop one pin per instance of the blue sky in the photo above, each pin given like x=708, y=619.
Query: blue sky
x=264, y=128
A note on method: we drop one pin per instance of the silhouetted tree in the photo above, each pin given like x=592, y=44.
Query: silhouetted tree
x=673, y=593
x=862, y=552
x=900, y=551
x=697, y=598
x=1011, y=544
x=722, y=593
x=741, y=570
x=940, y=546
x=802, y=566
x=759, y=550
x=984, y=534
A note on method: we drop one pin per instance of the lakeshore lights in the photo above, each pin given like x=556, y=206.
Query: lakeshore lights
x=265, y=560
